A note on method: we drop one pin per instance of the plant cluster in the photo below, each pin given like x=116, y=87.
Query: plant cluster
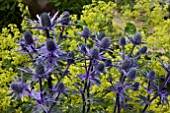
x=144, y=16
x=49, y=66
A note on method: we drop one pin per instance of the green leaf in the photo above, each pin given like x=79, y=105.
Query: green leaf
x=130, y=28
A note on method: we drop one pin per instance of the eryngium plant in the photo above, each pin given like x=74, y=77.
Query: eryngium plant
x=46, y=58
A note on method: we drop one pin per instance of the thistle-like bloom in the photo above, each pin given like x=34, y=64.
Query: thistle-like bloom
x=120, y=89
x=50, y=52
x=127, y=64
x=18, y=88
x=71, y=57
x=94, y=52
x=108, y=63
x=64, y=19
x=60, y=87
x=135, y=86
x=143, y=50
x=100, y=35
x=86, y=33
x=151, y=75
x=45, y=21
x=137, y=39
x=40, y=71
x=100, y=67
x=83, y=48
x=132, y=74
x=122, y=41
x=104, y=43
x=27, y=40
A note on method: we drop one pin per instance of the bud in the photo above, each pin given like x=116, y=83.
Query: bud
x=39, y=69
x=71, y=57
x=60, y=87
x=127, y=63
x=45, y=20
x=136, y=86
x=71, y=54
x=108, y=63
x=101, y=34
x=65, y=18
x=143, y=50
x=94, y=52
x=151, y=75
x=28, y=37
x=86, y=33
x=17, y=87
x=101, y=67
x=105, y=42
x=122, y=41
x=51, y=46
x=137, y=39
x=83, y=48
x=132, y=74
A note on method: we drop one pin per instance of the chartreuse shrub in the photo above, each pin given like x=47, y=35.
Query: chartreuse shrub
x=150, y=16
x=101, y=16
x=98, y=74
x=9, y=61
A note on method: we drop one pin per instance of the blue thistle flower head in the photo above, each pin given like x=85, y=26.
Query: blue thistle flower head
x=127, y=64
x=50, y=44
x=101, y=34
x=137, y=39
x=71, y=57
x=104, y=43
x=50, y=52
x=60, y=87
x=45, y=20
x=83, y=48
x=18, y=88
x=135, y=86
x=39, y=69
x=122, y=41
x=64, y=19
x=143, y=50
x=94, y=52
x=132, y=74
x=151, y=75
x=108, y=63
x=86, y=33
x=101, y=66
x=28, y=38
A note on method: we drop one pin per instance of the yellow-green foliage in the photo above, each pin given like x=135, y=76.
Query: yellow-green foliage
x=149, y=15
x=102, y=16
x=9, y=61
